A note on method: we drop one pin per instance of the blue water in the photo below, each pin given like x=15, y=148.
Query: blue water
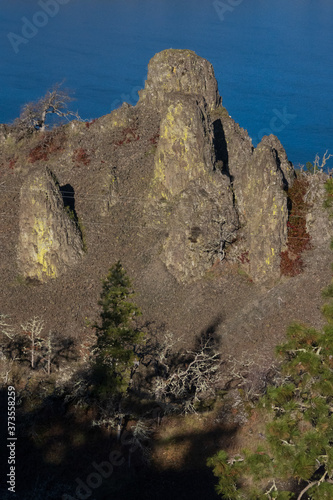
x=273, y=59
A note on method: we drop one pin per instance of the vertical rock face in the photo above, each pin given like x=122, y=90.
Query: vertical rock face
x=199, y=198
x=264, y=206
x=201, y=222
x=201, y=218
x=49, y=241
x=319, y=222
x=260, y=178
x=215, y=183
x=184, y=150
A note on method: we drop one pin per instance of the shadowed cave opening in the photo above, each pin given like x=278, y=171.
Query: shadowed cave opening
x=68, y=197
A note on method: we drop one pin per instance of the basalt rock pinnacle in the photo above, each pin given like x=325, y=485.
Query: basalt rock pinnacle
x=49, y=240
x=211, y=176
x=180, y=71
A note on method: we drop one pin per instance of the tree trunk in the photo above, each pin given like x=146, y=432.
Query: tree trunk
x=32, y=349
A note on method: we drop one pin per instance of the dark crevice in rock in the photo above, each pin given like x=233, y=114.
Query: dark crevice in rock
x=289, y=206
x=68, y=198
x=221, y=150
x=278, y=164
x=222, y=155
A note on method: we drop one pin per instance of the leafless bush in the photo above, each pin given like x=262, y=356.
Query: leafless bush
x=318, y=165
x=250, y=375
x=187, y=377
x=29, y=344
x=34, y=114
x=33, y=329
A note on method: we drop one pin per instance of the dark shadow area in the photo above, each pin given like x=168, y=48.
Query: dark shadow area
x=289, y=206
x=60, y=456
x=278, y=162
x=209, y=334
x=221, y=150
x=189, y=480
x=68, y=197
x=284, y=181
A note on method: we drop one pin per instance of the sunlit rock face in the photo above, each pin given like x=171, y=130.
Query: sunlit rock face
x=49, y=240
x=212, y=195
x=260, y=178
x=180, y=71
x=212, y=186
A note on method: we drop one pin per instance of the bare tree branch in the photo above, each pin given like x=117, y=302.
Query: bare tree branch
x=55, y=102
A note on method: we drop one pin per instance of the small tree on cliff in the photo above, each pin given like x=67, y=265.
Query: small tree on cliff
x=34, y=114
x=116, y=337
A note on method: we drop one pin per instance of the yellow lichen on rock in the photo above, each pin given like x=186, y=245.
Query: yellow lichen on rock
x=49, y=240
x=44, y=243
x=179, y=157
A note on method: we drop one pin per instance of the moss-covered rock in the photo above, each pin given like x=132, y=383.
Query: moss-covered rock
x=200, y=218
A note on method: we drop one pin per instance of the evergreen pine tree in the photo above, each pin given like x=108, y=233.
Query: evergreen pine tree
x=114, y=351
x=299, y=433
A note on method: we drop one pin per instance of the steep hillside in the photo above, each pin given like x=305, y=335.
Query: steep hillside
x=174, y=188
x=219, y=238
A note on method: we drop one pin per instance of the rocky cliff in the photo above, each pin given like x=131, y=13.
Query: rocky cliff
x=217, y=186
x=201, y=221
x=172, y=187
x=216, y=196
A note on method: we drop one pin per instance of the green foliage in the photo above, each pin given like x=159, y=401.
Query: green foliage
x=299, y=435
x=116, y=337
x=309, y=167
x=328, y=202
x=327, y=311
x=328, y=291
x=329, y=186
x=227, y=474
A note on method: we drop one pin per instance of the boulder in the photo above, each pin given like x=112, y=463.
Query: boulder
x=49, y=239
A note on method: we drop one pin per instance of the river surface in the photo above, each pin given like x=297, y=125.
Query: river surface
x=273, y=59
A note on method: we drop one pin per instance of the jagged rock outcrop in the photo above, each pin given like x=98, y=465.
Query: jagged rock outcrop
x=192, y=199
x=319, y=223
x=49, y=240
x=211, y=176
x=260, y=179
x=211, y=194
x=184, y=150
